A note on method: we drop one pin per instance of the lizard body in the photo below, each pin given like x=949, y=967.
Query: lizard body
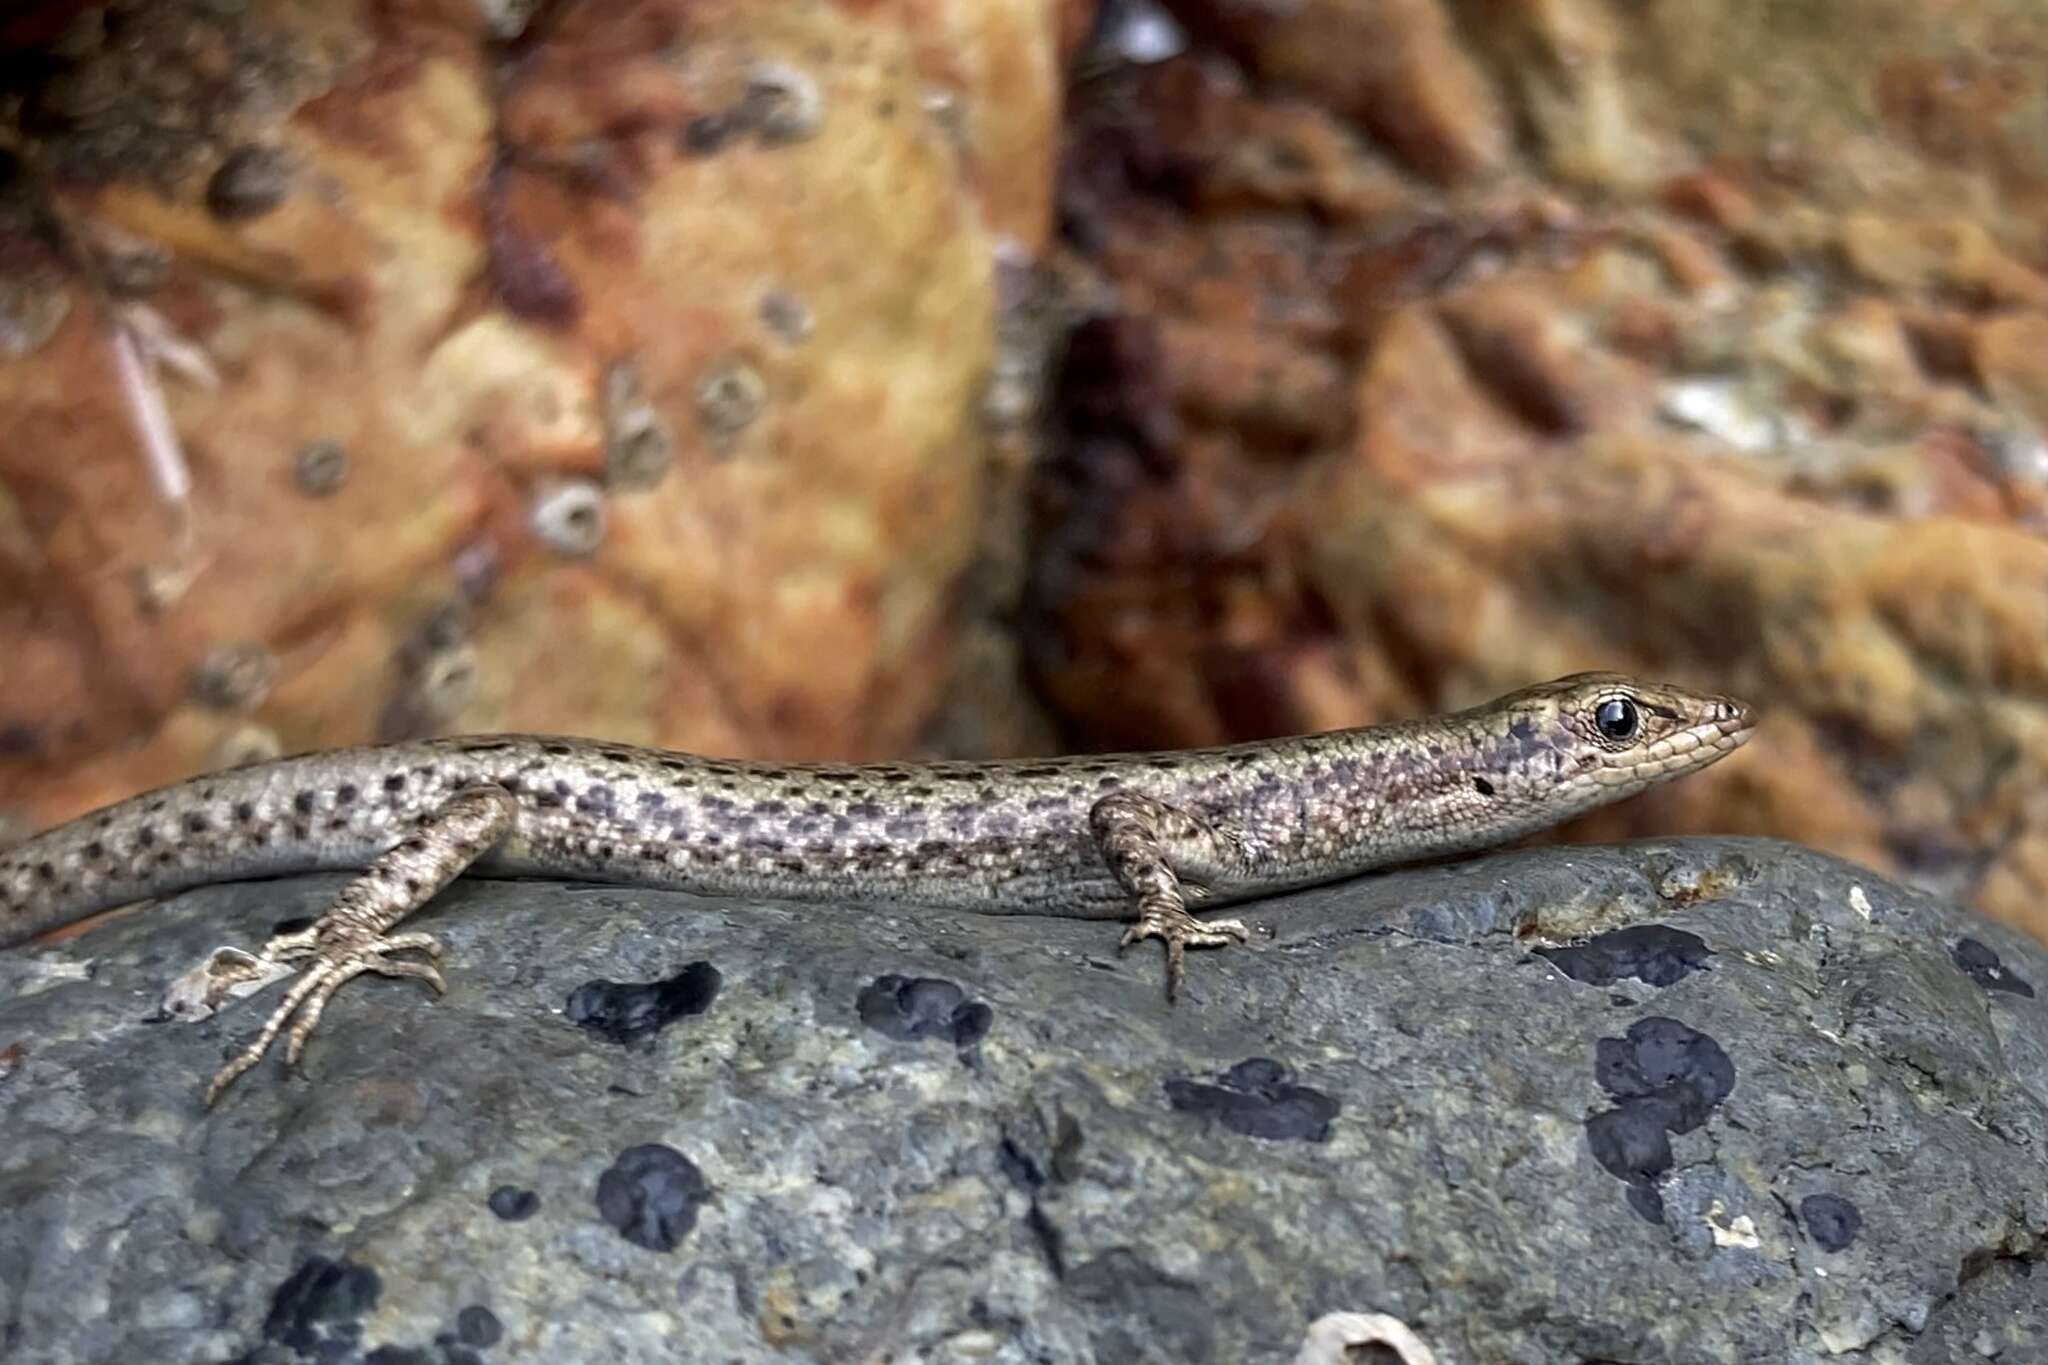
x=1130, y=836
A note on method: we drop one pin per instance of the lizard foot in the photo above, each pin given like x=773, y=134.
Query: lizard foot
x=341, y=951
x=1170, y=922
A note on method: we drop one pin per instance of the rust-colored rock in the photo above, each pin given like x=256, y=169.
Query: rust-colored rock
x=1733, y=372
x=494, y=391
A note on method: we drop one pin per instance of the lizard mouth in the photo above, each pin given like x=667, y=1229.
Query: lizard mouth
x=1726, y=727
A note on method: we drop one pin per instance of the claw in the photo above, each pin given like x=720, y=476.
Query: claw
x=1179, y=930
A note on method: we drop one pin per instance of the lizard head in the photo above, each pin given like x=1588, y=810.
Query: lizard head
x=1609, y=735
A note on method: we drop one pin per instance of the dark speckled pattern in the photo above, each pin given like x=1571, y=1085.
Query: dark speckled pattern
x=1005, y=837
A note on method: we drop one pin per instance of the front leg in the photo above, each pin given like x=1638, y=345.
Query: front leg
x=1151, y=847
x=353, y=936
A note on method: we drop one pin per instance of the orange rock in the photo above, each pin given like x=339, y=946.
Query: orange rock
x=626, y=376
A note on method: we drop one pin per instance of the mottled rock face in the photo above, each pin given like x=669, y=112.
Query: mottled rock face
x=1680, y=1101
x=1443, y=350
x=494, y=392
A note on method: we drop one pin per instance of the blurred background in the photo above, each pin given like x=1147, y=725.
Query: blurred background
x=861, y=378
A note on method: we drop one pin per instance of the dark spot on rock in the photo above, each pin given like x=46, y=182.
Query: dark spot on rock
x=627, y=1011
x=145, y=837
x=248, y=184
x=303, y=803
x=322, y=1296
x=708, y=133
x=1257, y=1098
x=651, y=1194
x=1654, y=954
x=513, y=1204
x=1982, y=966
x=1830, y=1220
x=477, y=1325
x=46, y=871
x=412, y=886
x=1482, y=786
x=345, y=793
x=245, y=811
x=1018, y=1166
x=908, y=1008
x=400, y=1355
x=395, y=782
x=320, y=468
x=1665, y=1078
x=1049, y=1239
x=95, y=849
x=558, y=750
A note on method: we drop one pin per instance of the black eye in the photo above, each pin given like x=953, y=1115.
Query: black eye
x=1616, y=718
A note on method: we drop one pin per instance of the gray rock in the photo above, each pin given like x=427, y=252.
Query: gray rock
x=1767, y=1107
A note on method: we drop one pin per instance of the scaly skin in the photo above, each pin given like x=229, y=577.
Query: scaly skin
x=1101, y=836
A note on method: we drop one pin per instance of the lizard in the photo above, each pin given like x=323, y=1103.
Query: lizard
x=1138, y=836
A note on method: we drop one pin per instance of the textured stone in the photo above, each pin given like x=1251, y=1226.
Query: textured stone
x=1732, y=365
x=456, y=322
x=904, y=1137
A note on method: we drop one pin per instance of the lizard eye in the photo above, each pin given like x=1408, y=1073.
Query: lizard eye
x=1616, y=718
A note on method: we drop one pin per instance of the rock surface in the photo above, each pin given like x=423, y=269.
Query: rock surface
x=1686, y=1101
x=1445, y=346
